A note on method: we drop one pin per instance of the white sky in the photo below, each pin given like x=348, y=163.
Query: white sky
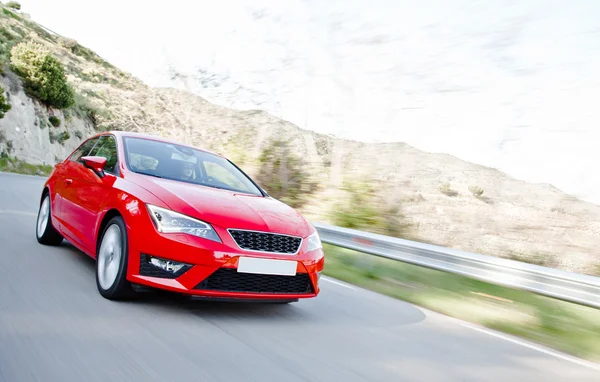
x=505, y=83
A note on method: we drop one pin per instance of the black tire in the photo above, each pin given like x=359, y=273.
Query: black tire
x=120, y=289
x=44, y=230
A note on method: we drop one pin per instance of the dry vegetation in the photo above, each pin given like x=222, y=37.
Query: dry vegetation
x=388, y=188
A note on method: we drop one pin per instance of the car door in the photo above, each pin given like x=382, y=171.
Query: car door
x=64, y=192
x=93, y=190
x=87, y=194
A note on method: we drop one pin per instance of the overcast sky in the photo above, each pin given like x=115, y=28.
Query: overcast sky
x=505, y=83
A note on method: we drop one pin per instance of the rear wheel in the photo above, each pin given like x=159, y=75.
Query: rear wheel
x=111, y=262
x=44, y=230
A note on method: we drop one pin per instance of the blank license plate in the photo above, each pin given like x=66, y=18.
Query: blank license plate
x=267, y=266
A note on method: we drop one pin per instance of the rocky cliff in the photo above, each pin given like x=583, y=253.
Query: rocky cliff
x=27, y=132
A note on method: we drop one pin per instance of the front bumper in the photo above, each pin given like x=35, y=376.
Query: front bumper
x=211, y=268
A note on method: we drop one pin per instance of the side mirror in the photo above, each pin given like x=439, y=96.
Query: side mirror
x=97, y=164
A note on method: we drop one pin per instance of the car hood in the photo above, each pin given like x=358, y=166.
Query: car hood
x=228, y=209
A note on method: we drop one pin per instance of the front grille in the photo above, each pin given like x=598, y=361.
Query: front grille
x=229, y=280
x=266, y=242
x=147, y=269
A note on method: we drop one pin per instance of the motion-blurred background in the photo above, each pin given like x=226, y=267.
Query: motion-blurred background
x=466, y=124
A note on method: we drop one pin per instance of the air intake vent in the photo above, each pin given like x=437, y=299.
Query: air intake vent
x=266, y=242
x=230, y=280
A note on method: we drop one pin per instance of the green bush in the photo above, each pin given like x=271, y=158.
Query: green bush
x=14, y=5
x=357, y=211
x=447, y=190
x=6, y=36
x=10, y=14
x=27, y=59
x=363, y=208
x=476, y=191
x=55, y=91
x=43, y=75
x=12, y=164
x=284, y=175
x=18, y=31
x=7, y=41
x=60, y=138
x=4, y=106
x=55, y=121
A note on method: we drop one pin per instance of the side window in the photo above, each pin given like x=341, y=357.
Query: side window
x=83, y=150
x=107, y=148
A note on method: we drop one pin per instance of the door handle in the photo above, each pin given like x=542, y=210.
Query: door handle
x=69, y=181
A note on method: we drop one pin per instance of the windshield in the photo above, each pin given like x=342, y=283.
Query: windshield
x=175, y=162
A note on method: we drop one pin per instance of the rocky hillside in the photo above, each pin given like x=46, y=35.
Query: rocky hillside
x=388, y=188
x=27, y=133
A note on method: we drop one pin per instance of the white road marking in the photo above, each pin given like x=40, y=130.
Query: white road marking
x=575, y=360
x=337, y=283
x=13, y=212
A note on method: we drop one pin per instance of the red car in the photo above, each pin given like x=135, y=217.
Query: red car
x=155, y=213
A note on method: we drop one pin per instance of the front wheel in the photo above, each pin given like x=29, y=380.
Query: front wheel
x=111, y=262
x=44, y=231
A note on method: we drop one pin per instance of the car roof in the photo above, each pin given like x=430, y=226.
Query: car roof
x=132, y=134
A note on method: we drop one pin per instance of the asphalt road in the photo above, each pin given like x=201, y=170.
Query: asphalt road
x=54, y=326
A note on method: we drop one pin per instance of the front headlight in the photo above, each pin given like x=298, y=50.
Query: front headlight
x=314, y=242
x=167, y=221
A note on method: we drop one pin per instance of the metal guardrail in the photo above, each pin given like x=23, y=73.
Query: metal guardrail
x=555, y=283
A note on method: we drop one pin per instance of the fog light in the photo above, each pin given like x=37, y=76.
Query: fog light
x=167, y=265
x=163, y=268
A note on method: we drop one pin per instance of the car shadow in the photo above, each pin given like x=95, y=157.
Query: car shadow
x=79, y=256
x=335, y=304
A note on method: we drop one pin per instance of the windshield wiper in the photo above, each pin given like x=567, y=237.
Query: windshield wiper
x=147, y=173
